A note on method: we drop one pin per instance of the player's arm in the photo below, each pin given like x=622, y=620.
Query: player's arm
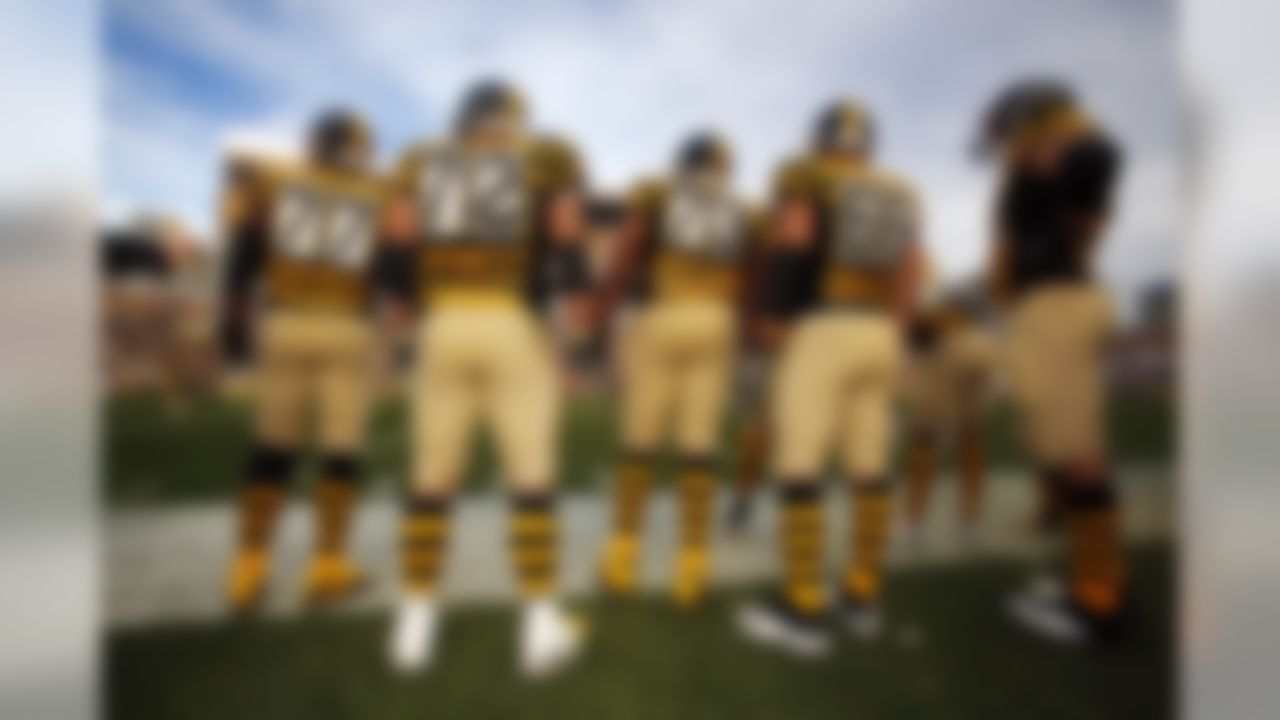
x=568, y=266
x=786, y=267
x=395, y=269
x=999, y=275
x=623, y=264
x=1090, y=171
x=913, y=267
x=752, y=273
x=244, y=233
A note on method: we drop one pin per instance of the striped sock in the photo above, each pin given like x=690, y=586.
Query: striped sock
x=697, y=494
x=753, y=450
x=424, y=538
x=334, y=502
x=635, y=476
x=868, y=533
x=1095, y=563
x=533, y=544
x=802, y=547
x=972, y=452
x=260, y=506
x=922, y=464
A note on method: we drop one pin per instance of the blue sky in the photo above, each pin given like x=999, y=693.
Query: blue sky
x=628, y=78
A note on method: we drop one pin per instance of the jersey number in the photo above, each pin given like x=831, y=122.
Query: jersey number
x=478, y=199
x=311, y=227
x=709, y=227
x=873, y=225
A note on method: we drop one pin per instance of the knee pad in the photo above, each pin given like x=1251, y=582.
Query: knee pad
x=341, y=467
x=272, y=465
x=1093, y=495
x=801, y=490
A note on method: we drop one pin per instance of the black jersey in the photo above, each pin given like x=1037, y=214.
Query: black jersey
x=1043, y=217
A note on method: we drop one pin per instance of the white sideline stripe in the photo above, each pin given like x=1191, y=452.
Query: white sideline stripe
x=167, y=564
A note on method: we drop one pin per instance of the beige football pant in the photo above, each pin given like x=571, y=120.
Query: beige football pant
x=484, y=367
x=677, y=376
x=314, y=365
x=1057, y=337
x=835, y=387
x=947, y=390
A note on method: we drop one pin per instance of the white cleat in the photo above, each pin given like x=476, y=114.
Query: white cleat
x=776, y=627
x=865, y=621
x=1049, y=617
x=412, y=645
x=549, y=639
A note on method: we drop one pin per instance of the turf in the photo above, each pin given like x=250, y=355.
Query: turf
x=156, y=454
x=949, y=653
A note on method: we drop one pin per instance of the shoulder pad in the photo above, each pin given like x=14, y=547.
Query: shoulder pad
x=795, y=175
x=555, y=161
x=647, y=194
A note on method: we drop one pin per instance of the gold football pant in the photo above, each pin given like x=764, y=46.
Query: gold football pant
x=314, y=365
x=1055, y=360
x=835, y=387
x=314, y=368
x=483, y=365
x=679, y=361
x=946, y=392
x=491, y=366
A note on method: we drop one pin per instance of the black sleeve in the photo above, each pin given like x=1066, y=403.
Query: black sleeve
x=247, y=258
x=789, y=283
x=395, y=272
x=1089, y=175
x=567, y=270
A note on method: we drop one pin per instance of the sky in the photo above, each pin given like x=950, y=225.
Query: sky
x=628, y=79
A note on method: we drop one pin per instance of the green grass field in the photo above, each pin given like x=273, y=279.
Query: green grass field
x=156, y=455
x=950, y=653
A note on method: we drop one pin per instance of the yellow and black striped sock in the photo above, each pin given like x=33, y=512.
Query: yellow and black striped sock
x=697, y=494
x=635, y=476
x=753, y=450
x=268, y=476
x=335, y=497
x=534, y=544
x=334, y=501
x=803, y=542
x=922, y=465
x=424, y=543
x=1095, y=561
x=868, y=533
x=972, y=457
x=1052, y=508
x=260, y=506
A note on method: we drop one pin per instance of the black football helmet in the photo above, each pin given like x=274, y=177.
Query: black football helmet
x=1023, y=104
x=845, y=126
x=340, y=138
x=490, y=104
x=704, y=151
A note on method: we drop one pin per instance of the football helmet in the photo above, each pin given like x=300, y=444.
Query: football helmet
x=704, y=151
x=491, y=106
x=340, y=138
x=1022, y=106
x=845, y=126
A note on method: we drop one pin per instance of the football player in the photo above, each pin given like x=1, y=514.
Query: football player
x=1059, y=171
x=497, y=218
x=304, y=237
x=685, y=242
x=837, y=375
x=950, y=365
